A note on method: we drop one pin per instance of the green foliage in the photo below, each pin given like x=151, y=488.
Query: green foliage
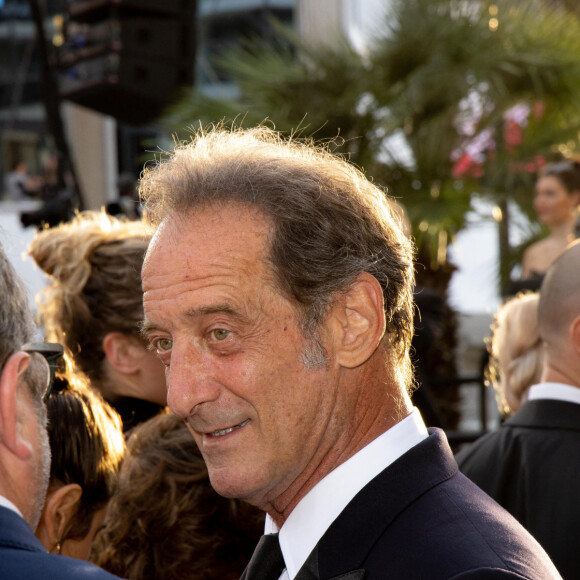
x=440, y=75
x=297, y=87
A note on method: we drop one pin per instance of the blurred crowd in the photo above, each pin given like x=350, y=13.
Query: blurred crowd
x=54, y=191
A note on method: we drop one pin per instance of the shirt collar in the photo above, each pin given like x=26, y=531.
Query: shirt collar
x=310, y=519
x=555, y=391
x=4, y=502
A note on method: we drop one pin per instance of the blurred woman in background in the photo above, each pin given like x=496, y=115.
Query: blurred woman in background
x=93, y=305
x=556, y=204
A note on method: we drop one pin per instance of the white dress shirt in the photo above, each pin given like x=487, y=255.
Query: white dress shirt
x=555, y=391
x=313, y=515
x=8, y=504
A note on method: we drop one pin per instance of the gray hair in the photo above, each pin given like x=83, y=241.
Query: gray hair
x=16, y=321
x=330, y=223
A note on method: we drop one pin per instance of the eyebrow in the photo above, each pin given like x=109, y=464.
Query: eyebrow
x=147, y=327
x=221, y=308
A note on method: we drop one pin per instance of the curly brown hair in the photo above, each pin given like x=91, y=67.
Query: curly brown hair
x=166, y=521
x=566, y=171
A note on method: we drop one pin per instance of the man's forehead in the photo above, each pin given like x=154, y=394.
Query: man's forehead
x=222, y=224
x=212, y=241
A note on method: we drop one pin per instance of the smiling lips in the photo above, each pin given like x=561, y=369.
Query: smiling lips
x=223, y=432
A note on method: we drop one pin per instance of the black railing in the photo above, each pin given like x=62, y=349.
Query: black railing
x=429, y=407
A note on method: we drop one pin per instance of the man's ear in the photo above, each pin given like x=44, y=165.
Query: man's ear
x=60, y=508
x=359, y=320
x=11, y=405
x=123, y=352
x=575, y=335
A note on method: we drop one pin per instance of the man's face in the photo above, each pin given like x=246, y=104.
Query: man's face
x=233, y=352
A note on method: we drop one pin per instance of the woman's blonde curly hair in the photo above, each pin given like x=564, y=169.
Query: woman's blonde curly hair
x=94, y=265
x=516, y=351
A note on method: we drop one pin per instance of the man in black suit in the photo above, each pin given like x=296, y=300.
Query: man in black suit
x=24, y=447
x=278, y=293
x=531, y=464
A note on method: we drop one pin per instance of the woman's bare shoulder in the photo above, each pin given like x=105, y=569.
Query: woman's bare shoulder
x=539, y=256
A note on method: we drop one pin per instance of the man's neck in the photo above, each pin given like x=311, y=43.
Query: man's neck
x=350, y=442
x=555, y=373
x=564, y=230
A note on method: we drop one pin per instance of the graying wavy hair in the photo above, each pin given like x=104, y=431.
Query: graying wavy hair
x=330, y=222
x=16, y=322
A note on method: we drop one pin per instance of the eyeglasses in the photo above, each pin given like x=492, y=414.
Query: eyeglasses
x=52, y=352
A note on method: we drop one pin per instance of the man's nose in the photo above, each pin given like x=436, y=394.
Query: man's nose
x=190, y=381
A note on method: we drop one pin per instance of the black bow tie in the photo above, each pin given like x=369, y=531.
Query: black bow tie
x=267, y=562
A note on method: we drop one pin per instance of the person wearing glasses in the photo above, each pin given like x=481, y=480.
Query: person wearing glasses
x=25, y=455
x=87, y=444
x=93, y=305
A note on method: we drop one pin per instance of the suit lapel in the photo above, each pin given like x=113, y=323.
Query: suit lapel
x=309, y=570
x=371, y=511
x=374, y=508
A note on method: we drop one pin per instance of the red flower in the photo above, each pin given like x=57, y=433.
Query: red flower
x=512, y=135
x=538, y=109
x=466, y=165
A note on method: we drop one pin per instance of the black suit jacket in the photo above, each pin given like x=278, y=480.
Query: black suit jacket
x=23, y=557
x=531, y=466
x=422, y=519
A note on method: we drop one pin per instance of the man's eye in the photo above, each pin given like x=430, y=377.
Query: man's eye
x=220, y=333
x=163, y=344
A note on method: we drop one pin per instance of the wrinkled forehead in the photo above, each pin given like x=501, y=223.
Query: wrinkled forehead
x=158, y=240
x=213, y=230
